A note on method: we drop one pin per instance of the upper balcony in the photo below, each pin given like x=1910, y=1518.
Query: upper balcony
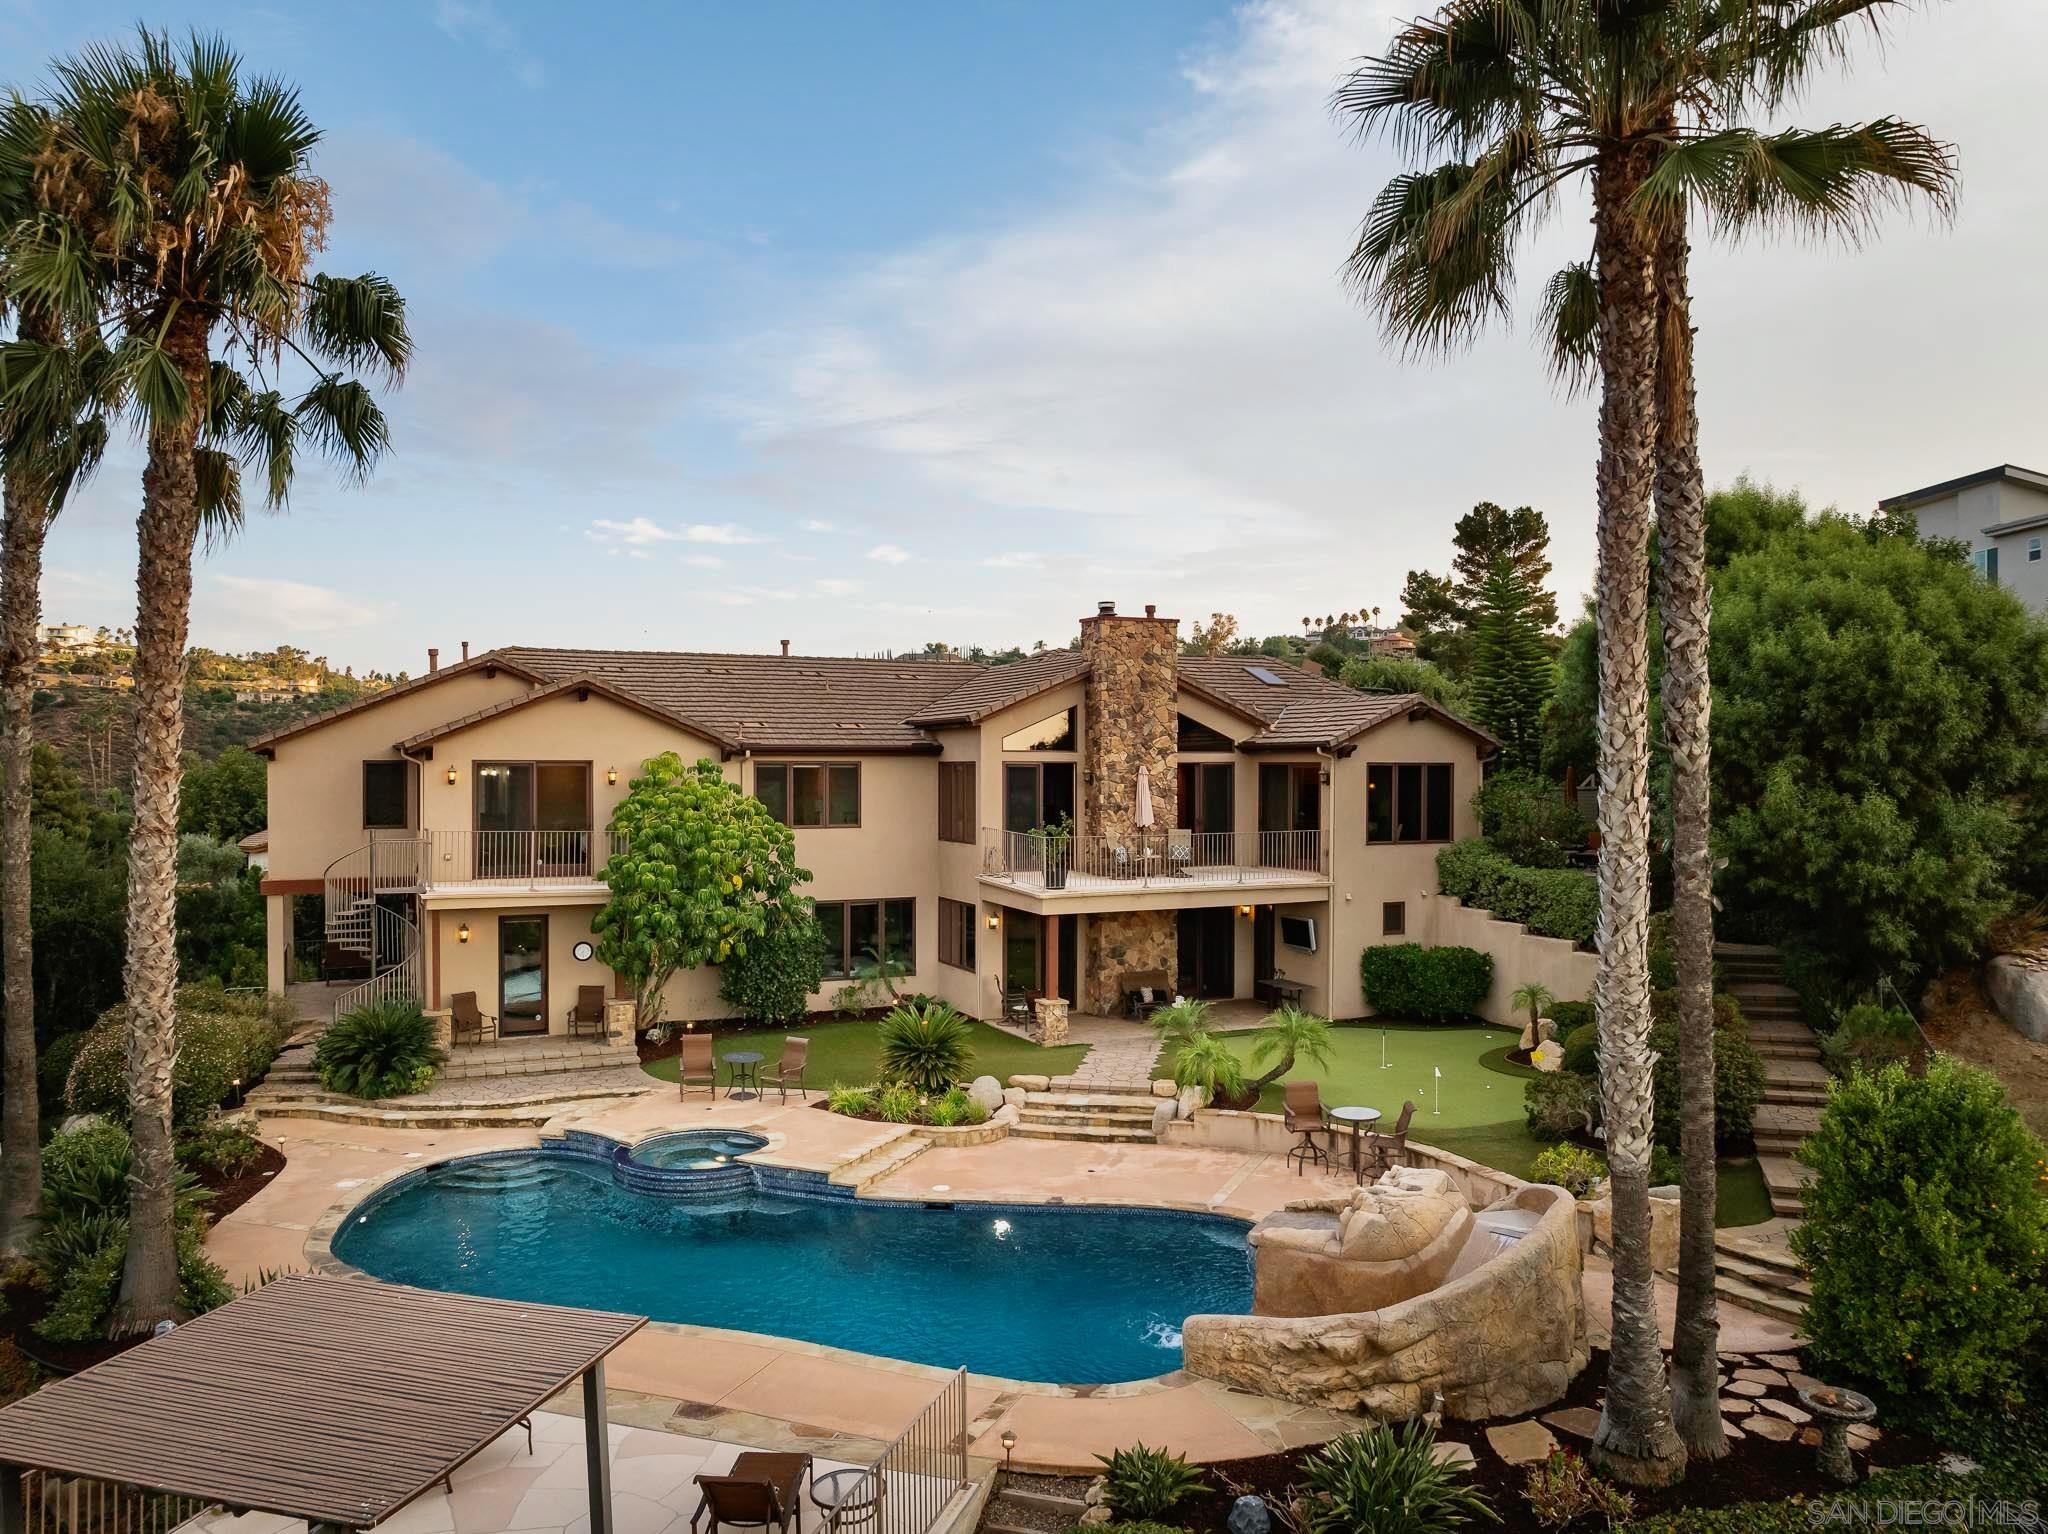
x=443, y=863
x=1158, y=867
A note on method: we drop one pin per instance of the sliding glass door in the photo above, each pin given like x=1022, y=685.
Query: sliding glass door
x=532, y=818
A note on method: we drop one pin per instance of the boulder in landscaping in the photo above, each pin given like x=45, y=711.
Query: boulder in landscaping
x=987, y=1091
x=2019, y=991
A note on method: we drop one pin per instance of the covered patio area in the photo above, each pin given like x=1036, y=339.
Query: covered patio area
x=325, y=1401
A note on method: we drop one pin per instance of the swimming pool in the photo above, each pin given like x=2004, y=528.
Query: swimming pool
x=1067, y=1295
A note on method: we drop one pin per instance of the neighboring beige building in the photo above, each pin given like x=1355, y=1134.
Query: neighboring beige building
x=457, y=822
x=2001, y=514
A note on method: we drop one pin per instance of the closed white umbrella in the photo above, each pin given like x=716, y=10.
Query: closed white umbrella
x=1144, y=798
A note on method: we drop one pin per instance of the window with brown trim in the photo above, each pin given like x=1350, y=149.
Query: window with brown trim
x=387, y=796
x=859, y=931
x=1394, y=918
x=1409, y=801
x=956, y=801
x=956, y=933
x=810, y=793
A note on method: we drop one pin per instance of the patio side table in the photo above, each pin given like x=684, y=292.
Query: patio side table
x=745, y=1084
x=1357, y=1118
x=854, y=1495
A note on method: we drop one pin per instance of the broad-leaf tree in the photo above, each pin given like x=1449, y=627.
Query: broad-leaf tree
x=172, y=216
x=703, y=872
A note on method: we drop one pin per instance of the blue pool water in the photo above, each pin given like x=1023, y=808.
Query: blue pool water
x=696, y=1150
x=1073, y=1296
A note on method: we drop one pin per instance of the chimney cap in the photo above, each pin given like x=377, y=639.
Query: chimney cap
x=433, y=659
x=1151, y=609
x=465, y=649
x=785, y=647
x=1105, y=609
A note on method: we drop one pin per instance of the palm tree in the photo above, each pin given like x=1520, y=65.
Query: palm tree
x=46, y=452
x=176, y=213
x=1289, y=1033
x=1532, y=91
x=1532, y=997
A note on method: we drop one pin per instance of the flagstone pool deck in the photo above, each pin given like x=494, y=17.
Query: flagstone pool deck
x=782, y=1393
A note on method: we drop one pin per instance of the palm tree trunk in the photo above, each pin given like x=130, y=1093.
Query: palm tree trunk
x=21, y=610
x=1682, y=538
x=167, y=529
x=1635, y=1441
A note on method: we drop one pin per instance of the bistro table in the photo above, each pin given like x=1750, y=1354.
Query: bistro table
x=854, y=1496
x=1357, y=1118
x=746, y=1074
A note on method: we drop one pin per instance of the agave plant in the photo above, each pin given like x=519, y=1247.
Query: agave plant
x=383, y=1049
x=925, y=1046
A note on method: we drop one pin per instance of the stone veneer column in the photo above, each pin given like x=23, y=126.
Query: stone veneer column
x=1131, y=703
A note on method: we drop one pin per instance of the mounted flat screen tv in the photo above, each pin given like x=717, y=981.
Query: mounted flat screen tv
x=1299, y=932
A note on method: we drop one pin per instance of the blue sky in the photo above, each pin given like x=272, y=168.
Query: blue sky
x=867, y=324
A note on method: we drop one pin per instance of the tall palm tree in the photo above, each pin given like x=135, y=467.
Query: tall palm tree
x=45, y=452
x=176, y=212
x=1518, y=97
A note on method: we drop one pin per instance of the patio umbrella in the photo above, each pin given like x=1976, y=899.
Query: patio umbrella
x=1144, y=818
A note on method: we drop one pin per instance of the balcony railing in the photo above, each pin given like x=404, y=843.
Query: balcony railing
x=1153, y=859
x=516, y=859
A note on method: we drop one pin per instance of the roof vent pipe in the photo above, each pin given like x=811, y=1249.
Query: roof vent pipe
x=1105, y=609
x=785, y=647
x=465, y=649
x=433, y=659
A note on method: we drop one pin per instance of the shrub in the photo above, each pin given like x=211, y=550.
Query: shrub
x=954, y=1109
x=385, y=1049
x=221, y=1038
x=226, y=1149
x=1205, y=1061
x=897, y=1103
x=1142, y=1483
x=1582, y=1050
x=1385, y=1481
x=858, y=1101
x=1868, y=1035
x=1924, y=1231
x=1527, y=820
x=1434, y=984
x=1571, y=1167
x=1551, y=902
x=774, y=976
x=1738, y=1070
x=1570, y=1015
x=1561, y=1104
x=1563, y=1489
x=925, y=1046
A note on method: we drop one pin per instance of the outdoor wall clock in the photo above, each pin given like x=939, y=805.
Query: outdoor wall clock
x=583, y=952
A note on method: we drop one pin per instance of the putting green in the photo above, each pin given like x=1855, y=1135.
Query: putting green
x=1437, y=1069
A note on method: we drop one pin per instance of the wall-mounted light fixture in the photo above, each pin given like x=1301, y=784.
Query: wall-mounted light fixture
x=1245, y=911
x=451, y=774
x=611, y=776
x=994, y=919
x=1326, y=775
x=462, y=933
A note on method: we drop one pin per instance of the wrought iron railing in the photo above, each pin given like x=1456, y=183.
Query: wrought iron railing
x=517, y=859
x=912, y=1482
x=1152, y=857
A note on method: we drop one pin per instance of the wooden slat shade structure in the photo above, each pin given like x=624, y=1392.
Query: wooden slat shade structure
x=333, y=1400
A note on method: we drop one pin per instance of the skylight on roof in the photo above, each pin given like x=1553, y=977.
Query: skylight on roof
x=1266, y=676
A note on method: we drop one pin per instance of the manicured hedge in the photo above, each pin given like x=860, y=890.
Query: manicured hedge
x=222, y=1037
x=1434, y=984
x=1552, y=902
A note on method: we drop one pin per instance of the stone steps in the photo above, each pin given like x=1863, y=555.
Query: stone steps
x=1761, y=1276
x=1785, y=1180
x=879, y=1160
x=1780, y=1127
x=342, y=1111
x=1091, y=1114
x=1100, y=1118
x=1118, y=1135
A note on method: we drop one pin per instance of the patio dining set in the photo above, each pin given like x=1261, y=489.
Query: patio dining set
x=1319, y=1133
x=745, y=1077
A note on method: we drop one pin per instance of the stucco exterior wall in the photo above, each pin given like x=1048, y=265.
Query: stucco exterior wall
x=454, y=965
x=1519, y=956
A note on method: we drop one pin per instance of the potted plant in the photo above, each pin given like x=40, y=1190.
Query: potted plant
x=1054, y=838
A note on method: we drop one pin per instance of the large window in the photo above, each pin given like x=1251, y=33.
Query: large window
x=1055, y=732
x=1408, y=801
x=859, y=931
x=956, y=933
x=1207, y=791
x=956, y=801
x=1037, y=794
x=810, y=794
x=1985, y=562
x=386, y=801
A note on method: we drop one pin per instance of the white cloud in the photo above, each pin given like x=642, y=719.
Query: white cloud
x=814, y=525
x=249, y=604
x=889, y=554
x=645, y=530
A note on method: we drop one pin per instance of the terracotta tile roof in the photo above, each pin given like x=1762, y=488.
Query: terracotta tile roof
x=1302, y=709
x=773, y=702
x=581, y=682
x=994, y=688
x=481, y=662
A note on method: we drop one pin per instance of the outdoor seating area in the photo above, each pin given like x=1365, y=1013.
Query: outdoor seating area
x=747, y=1073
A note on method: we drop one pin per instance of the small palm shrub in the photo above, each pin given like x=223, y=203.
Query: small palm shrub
x=928, y=1046
x=1206, y=1061
x=1289, y=1035
x=1146, y=1484
x=1179, y=1021
x=897, y=1103
x=1385, y=1481
x=1563, y=1489
x=1924, y=1231
x=385, y=1049
x=1570, y=1167
x=1433, y=984
x=858, y=1101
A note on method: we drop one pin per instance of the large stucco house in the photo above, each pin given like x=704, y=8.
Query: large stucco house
x=2001, y=513
x=457, y=823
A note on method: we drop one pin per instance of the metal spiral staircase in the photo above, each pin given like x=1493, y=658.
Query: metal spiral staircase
x=357, y=923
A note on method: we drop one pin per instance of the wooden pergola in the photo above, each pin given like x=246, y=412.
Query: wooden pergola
x=337, y=1401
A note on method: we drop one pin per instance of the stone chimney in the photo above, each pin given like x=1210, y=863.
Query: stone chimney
x=1131, y=721
x=433, y=659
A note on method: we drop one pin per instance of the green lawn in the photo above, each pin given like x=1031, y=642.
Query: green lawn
x=847, y=1053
